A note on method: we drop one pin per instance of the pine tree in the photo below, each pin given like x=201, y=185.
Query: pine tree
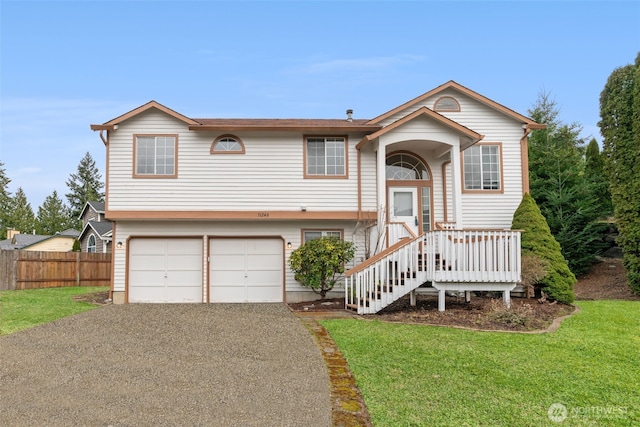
x=5, y=203
x=596, y=174
x=558, y=183
x=620, y=127
x=538, y=242
x=22, y=217
x=53, y=215
x=84, y=186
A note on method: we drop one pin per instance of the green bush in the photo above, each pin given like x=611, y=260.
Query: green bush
x=538, y=241
x=319, y=263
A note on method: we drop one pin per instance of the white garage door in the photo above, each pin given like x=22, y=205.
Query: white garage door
x=246, y=270
x=165, y=270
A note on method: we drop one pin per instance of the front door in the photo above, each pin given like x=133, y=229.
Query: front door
x=403, y=207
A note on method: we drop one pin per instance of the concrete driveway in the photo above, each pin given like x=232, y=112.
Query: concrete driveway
x=166, y=365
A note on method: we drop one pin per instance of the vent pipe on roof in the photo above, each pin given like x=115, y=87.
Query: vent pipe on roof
x=349, y=115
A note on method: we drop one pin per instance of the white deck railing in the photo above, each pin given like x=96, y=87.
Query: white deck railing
x=397, y=231
x=440, y=256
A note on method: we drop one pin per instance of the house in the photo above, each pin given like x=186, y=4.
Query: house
x=96, y=229
x=208, y=209
x=59, y=242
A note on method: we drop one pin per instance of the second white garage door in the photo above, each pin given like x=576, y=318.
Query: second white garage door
x=246, y=270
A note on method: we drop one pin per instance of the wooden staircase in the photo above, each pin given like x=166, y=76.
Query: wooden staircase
x=452, y=260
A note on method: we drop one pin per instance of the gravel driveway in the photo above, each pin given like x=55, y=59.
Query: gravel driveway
x=165, y=365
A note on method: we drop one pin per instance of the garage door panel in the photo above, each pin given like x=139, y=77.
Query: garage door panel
x=165, y=270
x=184, y=294
x=265, y=278
x=246, y=270
x=147, y=294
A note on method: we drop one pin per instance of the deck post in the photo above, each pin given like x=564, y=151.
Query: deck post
x=506, y=296
x=412, y=298
x=441, y=300
x=467, y=296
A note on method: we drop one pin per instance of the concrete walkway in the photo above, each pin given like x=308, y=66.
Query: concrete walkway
x=166, y=365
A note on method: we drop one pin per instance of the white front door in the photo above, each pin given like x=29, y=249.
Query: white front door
x=403, y=207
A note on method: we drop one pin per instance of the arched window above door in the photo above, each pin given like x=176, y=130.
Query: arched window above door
x=403, y=166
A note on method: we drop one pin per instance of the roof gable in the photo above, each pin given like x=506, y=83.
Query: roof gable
x=464, y=90
x=111, y=124
x=424, y=111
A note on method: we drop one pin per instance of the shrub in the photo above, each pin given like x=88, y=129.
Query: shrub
x=538, y=241
x=319, y=263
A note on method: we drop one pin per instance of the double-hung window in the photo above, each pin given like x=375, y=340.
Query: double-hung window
x=155, y=155
x=326, y=157
x=482, y=165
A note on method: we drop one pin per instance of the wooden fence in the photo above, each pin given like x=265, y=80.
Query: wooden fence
x=36, y=269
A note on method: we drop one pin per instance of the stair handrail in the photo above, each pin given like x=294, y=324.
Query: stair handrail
x=377, y=257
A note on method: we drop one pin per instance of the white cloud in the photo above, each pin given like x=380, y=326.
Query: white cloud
x=357, y=64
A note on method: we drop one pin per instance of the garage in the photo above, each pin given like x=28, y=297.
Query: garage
x=165, y=270
x=246, y=269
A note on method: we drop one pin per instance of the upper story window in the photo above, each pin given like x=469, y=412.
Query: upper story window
x=316, y=234
x=404, y=166
x=91, y=244
x=227, y=144
x=482, y=167
x=155, y=155
x=446, y=103
x=326, y=157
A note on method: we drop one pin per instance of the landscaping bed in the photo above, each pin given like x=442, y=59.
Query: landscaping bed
x=606, y=280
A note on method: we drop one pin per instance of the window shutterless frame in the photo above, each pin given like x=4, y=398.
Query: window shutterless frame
x=155, y=156
x=325, y=157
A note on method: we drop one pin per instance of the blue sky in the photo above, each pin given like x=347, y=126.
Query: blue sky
x=66, y=65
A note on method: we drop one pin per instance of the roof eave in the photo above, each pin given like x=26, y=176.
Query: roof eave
x=291, y=128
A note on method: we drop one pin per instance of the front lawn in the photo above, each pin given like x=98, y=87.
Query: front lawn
x=24, y=309
x=414, y=375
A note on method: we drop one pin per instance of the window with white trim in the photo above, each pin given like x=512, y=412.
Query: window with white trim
x=316, y=234
x=482, y=167
x=326, y=156
x=156, y=155
x=91, y=244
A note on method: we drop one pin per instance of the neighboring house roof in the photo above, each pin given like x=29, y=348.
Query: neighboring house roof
x=98, y=207
x=21, y=241
x=101, y=228
x=458, y=87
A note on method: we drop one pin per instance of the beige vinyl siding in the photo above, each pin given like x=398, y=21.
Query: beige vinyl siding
x=485, y=210
x=368, y=177
x=290, y=231
x=269, y=176
x=53, y=244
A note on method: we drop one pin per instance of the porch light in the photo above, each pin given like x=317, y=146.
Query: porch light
x=289, y=245
x=119, y=245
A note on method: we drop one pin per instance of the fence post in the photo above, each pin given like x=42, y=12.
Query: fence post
x=78, y=268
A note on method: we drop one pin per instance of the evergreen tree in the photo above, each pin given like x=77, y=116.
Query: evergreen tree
x=5, y=202
x=84, y=186
x=22, y=217
x=557, y=181
x=596, y=174
x=620, y=127
x=53, y=215
x=538, y=242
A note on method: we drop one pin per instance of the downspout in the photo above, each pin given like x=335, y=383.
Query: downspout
x=524, y=158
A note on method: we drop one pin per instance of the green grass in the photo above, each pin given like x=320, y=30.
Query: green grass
x=24, y=309
x=413, y=375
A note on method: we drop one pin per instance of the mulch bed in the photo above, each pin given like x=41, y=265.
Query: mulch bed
x=606, y=280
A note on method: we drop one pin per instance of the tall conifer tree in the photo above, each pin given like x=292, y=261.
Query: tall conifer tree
x=620, y=127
